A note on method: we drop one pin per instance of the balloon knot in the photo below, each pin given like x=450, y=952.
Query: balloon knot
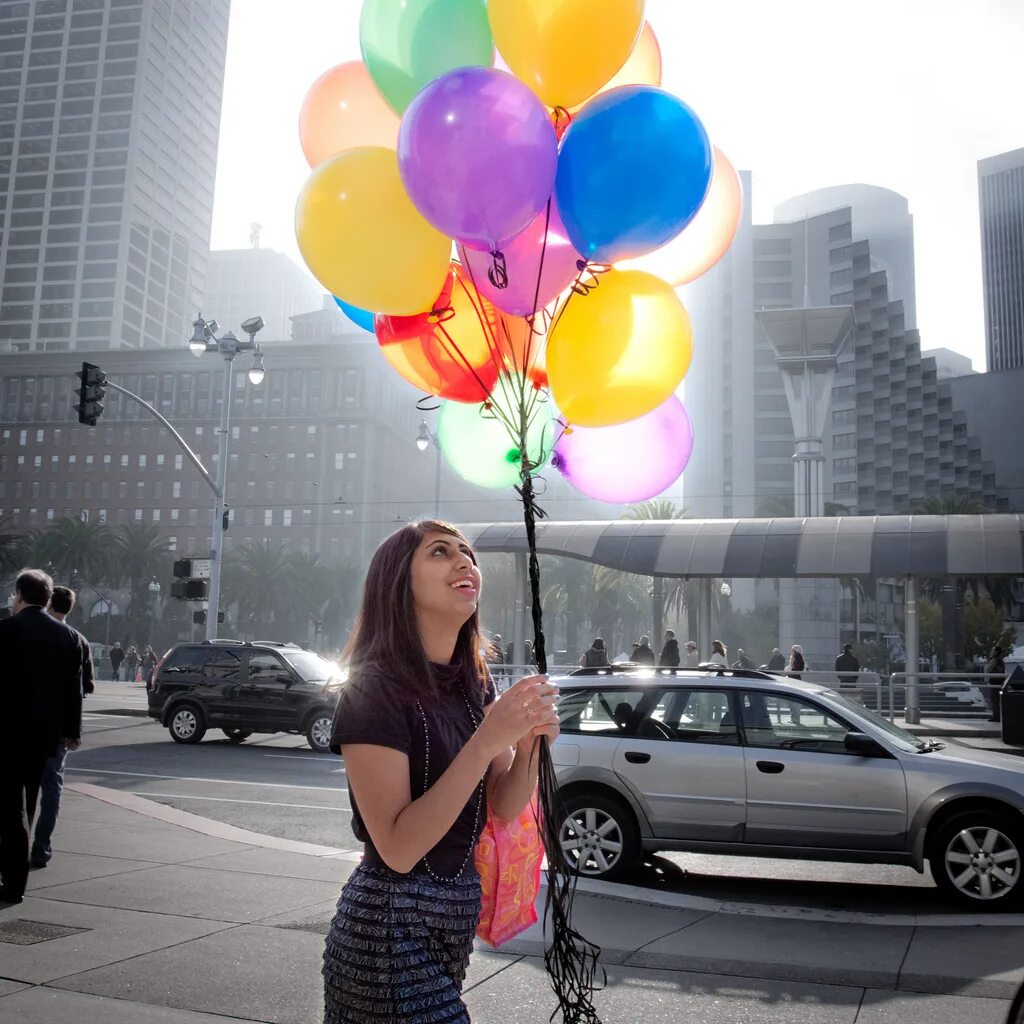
x=497, y=273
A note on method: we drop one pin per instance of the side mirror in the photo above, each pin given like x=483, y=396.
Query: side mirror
x=283, y=677
x=862, y=744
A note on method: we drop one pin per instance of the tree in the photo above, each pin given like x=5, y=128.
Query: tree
x=673, y=592
x=949, y=505
x=72, y=546
x=929, y=628
x=142, y=553
x=984, y=627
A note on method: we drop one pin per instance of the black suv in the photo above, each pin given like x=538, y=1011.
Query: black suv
x=242, y=688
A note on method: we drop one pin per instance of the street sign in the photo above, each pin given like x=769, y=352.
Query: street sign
x=201, y=568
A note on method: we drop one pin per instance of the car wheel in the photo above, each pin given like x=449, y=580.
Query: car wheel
x=977, y=858
x=599, y=836
x=186, y=724
x=237, y=735
x=318, y=732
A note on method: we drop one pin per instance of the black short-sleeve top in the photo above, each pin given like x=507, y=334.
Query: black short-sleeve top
x=370, y=711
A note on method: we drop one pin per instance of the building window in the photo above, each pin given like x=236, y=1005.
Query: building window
x=287, y=517
x=177, y=461
x=268, y=517
x=176, y=489
x=142, y=462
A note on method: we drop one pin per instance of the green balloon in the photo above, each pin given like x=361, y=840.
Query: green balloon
x=480, y=449
x=407, y=44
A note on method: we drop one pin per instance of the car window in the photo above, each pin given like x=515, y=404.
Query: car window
x=611, y=713
x=791, y=723
x=700, y=716
x=185, y=659
x=310, y=666
x=263, y=667
x=224, y=665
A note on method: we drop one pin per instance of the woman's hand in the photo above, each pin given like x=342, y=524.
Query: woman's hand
x=522, y=709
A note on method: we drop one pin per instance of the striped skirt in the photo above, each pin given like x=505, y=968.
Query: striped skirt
x=398, y=948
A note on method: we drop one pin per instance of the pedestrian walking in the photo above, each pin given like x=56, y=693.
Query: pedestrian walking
x=692, y=656
x=42, y=660
x=52, y=783
x=424, y=765
x=796, y=661
x=131, y=664
x=670, y=650
x=116, y=657
x=777, y=661
x=148, y=663
x=595, y=656
x=743, y=662
x=847, y=665
x=719, y=654
x=642, y=653
x=995, y=669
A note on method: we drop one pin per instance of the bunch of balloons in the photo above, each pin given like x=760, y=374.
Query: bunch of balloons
x=503, y=194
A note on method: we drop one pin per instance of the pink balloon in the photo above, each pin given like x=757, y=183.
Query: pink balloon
x=521, y=296
x=706, y=239
x=631, y=461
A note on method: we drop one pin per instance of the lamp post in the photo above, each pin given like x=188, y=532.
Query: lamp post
x=204, y=339
x=154, y=601
x=424, y=439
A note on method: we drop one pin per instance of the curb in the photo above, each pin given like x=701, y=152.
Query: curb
x=587, y=886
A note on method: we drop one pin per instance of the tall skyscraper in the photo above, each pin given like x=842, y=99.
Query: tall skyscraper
x=243, y=282
x=109, y=121
x=1001, y=201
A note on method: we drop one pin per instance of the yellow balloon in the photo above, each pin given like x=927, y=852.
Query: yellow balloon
x=706, y=239
x=642, y=68
x=565, y=50
x=619, y=351
x=363, y=239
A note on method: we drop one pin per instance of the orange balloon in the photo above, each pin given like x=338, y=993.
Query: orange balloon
x=706, y=239
x=343, y=110
x=642, y=68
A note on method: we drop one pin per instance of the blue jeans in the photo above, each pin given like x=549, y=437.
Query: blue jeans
x=49, y=805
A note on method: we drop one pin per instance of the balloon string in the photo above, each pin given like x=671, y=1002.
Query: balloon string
x=536, y=291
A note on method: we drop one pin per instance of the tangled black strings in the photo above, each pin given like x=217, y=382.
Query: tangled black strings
x=571, y=959
x=497, y=273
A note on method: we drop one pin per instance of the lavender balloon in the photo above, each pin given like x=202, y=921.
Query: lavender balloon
x=478, y=155
x=631, y=461
x=523, y=293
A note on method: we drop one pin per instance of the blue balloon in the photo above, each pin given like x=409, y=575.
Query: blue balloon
x=634, y=168
x=360, y=317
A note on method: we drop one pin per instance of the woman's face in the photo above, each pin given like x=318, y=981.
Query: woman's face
x=445, y=579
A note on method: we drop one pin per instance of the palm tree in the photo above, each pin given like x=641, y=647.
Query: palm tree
x=949, y=505
x=620, y=603
x=569, y=592
x=675, y=595
x=72, y=546
x=142, y=553
x=262, y=581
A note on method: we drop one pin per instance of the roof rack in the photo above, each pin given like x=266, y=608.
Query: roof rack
x=661, y=672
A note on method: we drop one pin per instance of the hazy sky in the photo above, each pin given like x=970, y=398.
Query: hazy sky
x=907, y=94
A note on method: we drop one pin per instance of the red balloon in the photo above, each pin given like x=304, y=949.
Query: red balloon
x=453, y=351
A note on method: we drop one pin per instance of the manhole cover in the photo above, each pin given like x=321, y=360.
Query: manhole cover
x=27, y=933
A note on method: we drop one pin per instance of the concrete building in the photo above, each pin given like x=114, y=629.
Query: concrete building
x=1001, y=205
x=243, y=282
x=109, y=121
x=949, y=363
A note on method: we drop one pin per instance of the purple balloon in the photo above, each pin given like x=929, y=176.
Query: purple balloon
x=523, y=294
x=478, y=155
x=631, y=461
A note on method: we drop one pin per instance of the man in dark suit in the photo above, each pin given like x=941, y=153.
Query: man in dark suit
x=41, y=681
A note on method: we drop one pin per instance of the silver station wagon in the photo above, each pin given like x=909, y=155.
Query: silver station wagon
x=750, y=764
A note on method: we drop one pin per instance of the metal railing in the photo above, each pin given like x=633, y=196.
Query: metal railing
x=928, y=684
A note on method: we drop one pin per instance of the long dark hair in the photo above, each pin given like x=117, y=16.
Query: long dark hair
x=385, y=644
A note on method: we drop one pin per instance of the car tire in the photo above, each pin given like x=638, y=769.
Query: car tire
x=977, y=857
x=186, y=724
x=318, y=731
x=604, y=833
x=237, y=735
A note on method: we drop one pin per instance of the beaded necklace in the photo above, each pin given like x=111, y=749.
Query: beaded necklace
x=479, y=790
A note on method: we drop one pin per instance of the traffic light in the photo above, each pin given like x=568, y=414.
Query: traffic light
x=190, y=590
x=199, y=618
x=90, y=394
x=191, y=579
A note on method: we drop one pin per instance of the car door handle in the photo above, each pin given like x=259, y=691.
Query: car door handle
x=637, y=757
x=770, y=767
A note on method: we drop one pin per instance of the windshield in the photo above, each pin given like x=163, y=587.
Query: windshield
x=906, y=741
x=312, y=667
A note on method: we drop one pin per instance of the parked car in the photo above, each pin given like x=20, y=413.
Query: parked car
x=962, y=691
x=745, y=763
x=242, y=688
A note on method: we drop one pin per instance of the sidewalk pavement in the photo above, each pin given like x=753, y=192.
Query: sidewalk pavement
x=151, y=915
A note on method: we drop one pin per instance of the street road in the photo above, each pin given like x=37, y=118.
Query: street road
x=277, y=786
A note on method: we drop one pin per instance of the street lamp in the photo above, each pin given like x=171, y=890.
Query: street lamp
x=204, y=339
x=424, y=439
